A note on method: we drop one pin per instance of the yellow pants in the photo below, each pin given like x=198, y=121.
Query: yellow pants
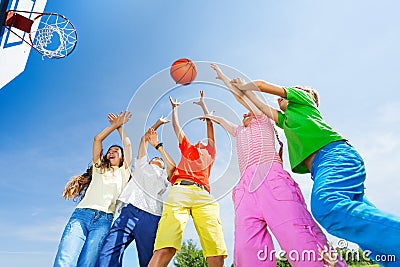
x=183, y=201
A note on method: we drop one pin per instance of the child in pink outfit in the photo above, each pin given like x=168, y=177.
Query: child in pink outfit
x=267, y=196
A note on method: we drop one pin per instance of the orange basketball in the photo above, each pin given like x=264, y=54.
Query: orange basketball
x=183, y=71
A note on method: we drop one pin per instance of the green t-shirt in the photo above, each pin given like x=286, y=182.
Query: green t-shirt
x=305, y=129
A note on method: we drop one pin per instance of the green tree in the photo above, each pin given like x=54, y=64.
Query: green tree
x=190, y=256
x=282, y=262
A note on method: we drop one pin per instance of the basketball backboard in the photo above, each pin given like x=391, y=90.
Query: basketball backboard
x=14, y=52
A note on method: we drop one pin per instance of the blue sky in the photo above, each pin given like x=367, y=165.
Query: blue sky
x=347, y=50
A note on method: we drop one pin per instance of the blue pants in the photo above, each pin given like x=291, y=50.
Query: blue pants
x=82, y=238
x=131, y=224
x=339, y=205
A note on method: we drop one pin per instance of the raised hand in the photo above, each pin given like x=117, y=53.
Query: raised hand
x=118, y=120
x=237, y=81
x=112, y=118
x=152, y=137
x=146, y=135
x=209, y=116
x=243, y=86
x=163, y=120
x=175, y=103
x=201, y=100
x=220, y=75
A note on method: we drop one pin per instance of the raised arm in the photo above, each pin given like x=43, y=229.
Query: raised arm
x=142, y=151
x=116, y=121
x=261, y=105
x=210, y=126
x=238, y=94
x=263, y=86
x=227, y=125
x=201, y=103
x=153, y=140
x=175, y=121
x=126, y=142
x=123, y=118
x=160, y=122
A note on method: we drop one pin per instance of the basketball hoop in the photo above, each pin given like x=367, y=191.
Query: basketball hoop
x=50, y=34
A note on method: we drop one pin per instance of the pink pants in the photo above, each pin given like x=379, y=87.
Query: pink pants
x=267, y=196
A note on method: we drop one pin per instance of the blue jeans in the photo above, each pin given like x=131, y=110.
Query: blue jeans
x=131, y=224
x=82, y=238
x=339, y=205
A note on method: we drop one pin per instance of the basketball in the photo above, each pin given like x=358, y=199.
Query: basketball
x=183, y=71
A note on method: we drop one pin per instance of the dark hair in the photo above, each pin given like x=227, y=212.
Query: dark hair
x=311, y=91
x=158, y=158
x=280, y=143
x=105, y=162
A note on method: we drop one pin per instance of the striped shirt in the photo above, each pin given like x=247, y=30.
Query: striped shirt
x=255, y=144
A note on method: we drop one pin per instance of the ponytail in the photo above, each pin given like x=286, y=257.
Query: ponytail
x=280, y=143
x=311, y=91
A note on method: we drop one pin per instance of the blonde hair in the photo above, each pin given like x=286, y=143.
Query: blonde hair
x=311, y=91
x=75, y=189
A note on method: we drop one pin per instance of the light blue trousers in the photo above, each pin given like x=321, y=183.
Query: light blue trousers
x=339, y=205
x=82, y=238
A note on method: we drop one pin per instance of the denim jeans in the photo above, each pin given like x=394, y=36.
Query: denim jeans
x=82, y=238
x=132, y=224
x=339, y=205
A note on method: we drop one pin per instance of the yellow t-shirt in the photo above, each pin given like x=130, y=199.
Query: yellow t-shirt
x=105, y=188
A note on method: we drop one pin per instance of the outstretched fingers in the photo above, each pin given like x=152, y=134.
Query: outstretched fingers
x=111, y=117
x=201, y=100
x=163, y=120
x=175, y=103
x=126, y=116
x=120, y=119
x=218, y=71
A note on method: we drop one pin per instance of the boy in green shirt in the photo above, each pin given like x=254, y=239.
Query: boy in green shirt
x=337, y=200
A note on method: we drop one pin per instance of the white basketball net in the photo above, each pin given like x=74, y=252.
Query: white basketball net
x=55, y=36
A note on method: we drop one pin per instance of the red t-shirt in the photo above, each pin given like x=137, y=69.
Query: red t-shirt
x=195, y=164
